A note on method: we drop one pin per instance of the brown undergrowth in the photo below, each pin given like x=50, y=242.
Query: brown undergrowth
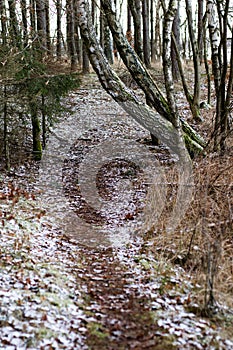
x=203, y=242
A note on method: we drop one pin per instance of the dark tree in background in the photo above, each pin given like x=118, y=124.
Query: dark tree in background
x=71, y=34
x=27, y=26
x=135, y=8
x=176, y=32
x=146, y=35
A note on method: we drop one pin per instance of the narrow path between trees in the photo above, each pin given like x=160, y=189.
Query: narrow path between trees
x=80, y=291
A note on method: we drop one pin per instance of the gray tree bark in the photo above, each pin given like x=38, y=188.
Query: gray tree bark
x=141, y=112
x=146, y=36
x=196, y=63
x=139, y=73
x=135, y=8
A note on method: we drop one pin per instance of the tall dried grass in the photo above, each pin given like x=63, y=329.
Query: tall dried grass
x=203, y=242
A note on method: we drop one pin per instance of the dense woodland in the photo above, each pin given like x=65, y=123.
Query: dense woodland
x=177, y=55
x=174, y=32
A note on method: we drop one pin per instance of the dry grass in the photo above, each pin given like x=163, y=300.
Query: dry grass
x=203, y=242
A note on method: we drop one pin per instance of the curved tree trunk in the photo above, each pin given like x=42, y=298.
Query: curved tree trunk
x=142, y=113
x=153, y=94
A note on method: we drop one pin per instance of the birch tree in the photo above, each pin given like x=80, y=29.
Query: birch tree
x=217, y=14
x=154, y=95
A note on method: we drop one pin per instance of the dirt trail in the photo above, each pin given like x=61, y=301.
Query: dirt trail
x=58, y=292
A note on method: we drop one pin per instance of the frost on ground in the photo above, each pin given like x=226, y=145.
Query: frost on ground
x=58, y=292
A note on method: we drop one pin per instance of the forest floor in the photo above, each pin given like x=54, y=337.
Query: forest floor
x=96, y=279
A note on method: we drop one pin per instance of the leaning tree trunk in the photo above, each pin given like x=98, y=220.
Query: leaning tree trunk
x=153, y=94
x=140, y=112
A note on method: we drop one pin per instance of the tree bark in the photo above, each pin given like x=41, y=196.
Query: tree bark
x=176, y=33
x=13, y=27
x=146, y=36
x=167, y=64
x=70, y=34
x=59, y=32
x=36, y=132
x=47, y=19
x=23, y=6
x=142, y=113
x=196, y=63
x=33, y=16
x=41, y=25
x=200, y=25
x=158, y=45
x=3, y=22
x=135, y=8
x=153, y=94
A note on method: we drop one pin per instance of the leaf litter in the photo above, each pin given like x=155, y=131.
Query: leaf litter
x=56, y=293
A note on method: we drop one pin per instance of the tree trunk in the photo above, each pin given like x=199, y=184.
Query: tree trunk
x=196, y=63
x=86, y=66
x=152, y=36
x=107, y=42
x=41, y=26
x=153, y=94
x=47, y=19
x=200, y=41
x=13, y=27
x=146, y=36
x=158, y=45
x=219, y=68
x=59, y=32
x=23, y=6
x=176, y=33
x=135, y=8
x=77, y=39
x=142, y=113
x=33, y=16
x=167, y=64
x=5, y=131
x=37, y=147
x=3, y=22
x=70, y=34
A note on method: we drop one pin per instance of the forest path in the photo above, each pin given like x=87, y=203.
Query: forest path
x=134, y=301
x=80, y=291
